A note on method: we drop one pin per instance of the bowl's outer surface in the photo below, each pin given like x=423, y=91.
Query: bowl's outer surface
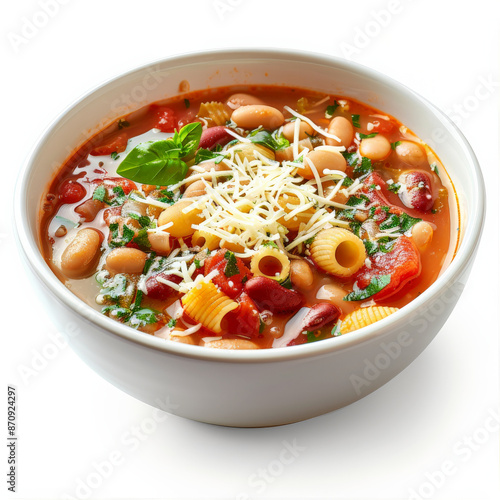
x=256, y=388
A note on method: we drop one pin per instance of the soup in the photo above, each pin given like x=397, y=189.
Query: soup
x=249, y=218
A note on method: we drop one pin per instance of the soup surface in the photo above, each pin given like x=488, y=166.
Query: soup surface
x=250, y=218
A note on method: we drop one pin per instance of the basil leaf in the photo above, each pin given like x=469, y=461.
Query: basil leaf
x=168, y=197
x=391, y=221
x=355, y=121
x=156, y=163
x=370, y=246
x=189, y=137
x=142, y=239
x=265, y=138
x=377, y=283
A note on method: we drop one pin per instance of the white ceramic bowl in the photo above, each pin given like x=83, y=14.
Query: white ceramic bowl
x=249, y=388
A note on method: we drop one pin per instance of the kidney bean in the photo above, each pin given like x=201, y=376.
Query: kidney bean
x=321, y=315
x=418, y=192
x=269, y=295
x=213, y=136
x=161, y=291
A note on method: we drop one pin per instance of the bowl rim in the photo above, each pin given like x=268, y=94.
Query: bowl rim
x=41, y=270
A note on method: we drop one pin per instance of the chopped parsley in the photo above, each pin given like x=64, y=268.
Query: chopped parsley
x=435, y=169
x=377, y=284
x=330, y=110
x=206, y=154
x=365, y=167
x=269, y=243
x=197, y=264
x=309, y=240
x=231, y=268
x=394, y=145
x=287, y=283
x=394, y=187
x=367, y=136
x=265, y=138
x=355, y=121
x=347, y=181
x=172, y=323
x=114, y=155
x=167, y=197
x=187, y=103
x=100, y=193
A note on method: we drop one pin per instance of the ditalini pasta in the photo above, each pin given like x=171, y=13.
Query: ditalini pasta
x=250, y=218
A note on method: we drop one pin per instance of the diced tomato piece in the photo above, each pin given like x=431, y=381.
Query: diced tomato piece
x=117, y=143
x=111, y=182
x=166, y=120
x=402, y=263
x=233, y=285
x=71, y=192
x=375, y=189
x=382, y=126
x=245, y=320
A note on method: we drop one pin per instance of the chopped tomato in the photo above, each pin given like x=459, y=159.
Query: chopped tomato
x=375, y=189
x=229, y=283
x=117, y=143
x=382, y=126
x=111, y=182
x=245, y=320
x=166, y=120
x=71, y=192
x=402, y=263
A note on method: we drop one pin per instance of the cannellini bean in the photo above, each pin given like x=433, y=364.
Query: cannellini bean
x=160, y=242
x=376, y=148
x=197, y=188
x=206, y=167
x=304, y=130
x=182, y=222
x=182, y=339
x=126, y=260
x=321, y=159
x=237, y=100
x=411, y=153
x=81, y=256
x=335, y=294
x=301, y=274
x=422, y=233
x=231, y=344
x=343, y=129
x=258, y=115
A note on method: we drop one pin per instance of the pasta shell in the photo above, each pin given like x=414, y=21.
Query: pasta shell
x=364, y=317
x=207, y=305
x=205, y=240
x=214, y=111
x=338, y=252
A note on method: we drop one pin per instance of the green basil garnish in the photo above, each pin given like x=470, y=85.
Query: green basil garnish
x=161, y=163
x=377, y=283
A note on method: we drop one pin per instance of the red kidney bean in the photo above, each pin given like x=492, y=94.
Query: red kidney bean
x=321, y=315
x=213, y=136
x=158, y=290
x=269, y=294
x=418, y=192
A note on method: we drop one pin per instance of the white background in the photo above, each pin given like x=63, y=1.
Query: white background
x=387, y=445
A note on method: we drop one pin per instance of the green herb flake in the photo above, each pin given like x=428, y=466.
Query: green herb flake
x=394, y=187
x=407, y=221
x=377, y=284
x=435, y=169
x=365, y=167
x=391, y=222
x=287, y=283
x=172, y=323
x=313, y=337
x=149, y=262
x=347, y=181
x=100, y=193
x=187, y=103
x=206, y=154
x=367, y=136
x=336, y=330
x=168, y=197
x=232, y=264
x=330, y=110
x=262, y=326
x=267, y=139
x=123, y=123
x=309, y=240
x=271, y=244
x=142, y=239
x=370, y=246
x=350, y=158
x=114, y=155
x=120, y=196
x=355, y=227
x=355, y=121
x=394, y=145
x=197, y=264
